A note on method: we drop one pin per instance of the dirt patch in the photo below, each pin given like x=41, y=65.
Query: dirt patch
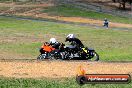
x=24, y=5
x=12, y=8
x=74, y=19
x=94, y=22
x=57, y=69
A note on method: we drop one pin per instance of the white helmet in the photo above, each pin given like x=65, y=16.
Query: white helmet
x=70, y=36
x=53, y=40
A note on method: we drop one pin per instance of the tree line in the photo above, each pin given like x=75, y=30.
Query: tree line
x=123, y=3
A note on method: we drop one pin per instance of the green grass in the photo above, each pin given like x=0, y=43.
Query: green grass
x=24, y=37
x=68, y=10
x=53, y=83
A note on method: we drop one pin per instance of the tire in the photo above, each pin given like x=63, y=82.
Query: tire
x=56, y=55
x=60, y=56
x=95, y=57
x=41, y=57
x=81, y=80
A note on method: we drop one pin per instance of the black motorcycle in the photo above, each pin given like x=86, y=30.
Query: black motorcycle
x=84, y=53
x=89, y=53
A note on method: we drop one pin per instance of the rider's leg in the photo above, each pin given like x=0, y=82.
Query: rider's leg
x=41, y=51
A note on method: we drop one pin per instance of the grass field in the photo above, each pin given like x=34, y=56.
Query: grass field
x=53, y=83
x=24, y=37
x=70, y=11
x=20, y=39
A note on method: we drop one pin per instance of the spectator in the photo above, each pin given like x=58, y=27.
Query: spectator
x=106, y=23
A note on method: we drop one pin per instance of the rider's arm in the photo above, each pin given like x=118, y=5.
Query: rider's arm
x=69, y=39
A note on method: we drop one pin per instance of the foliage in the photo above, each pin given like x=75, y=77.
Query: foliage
x=123, y=2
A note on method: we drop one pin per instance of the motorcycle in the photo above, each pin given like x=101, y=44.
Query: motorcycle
x=52, y=56
x=89, y=53
x=84, y=53
x=55, y=54
x=69, y=52
x=45, y=55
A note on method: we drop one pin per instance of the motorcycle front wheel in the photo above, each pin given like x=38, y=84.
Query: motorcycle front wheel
x=41, y=57
x=95, y=57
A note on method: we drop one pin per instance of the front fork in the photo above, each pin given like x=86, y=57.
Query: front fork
x=90, y=54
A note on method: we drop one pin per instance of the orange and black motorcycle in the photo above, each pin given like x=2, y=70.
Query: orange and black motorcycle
x=49, y=51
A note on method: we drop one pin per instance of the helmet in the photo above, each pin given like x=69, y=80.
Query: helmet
x=70, y=36
x=53, y=40
x=105, y=19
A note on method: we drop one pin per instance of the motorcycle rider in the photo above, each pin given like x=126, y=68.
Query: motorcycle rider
x=52, y=46
x=54, y=43
x=74, y=41
x=59, y=48
x=74, y=47
x=46, y=47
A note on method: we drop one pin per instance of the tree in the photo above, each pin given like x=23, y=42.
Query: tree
x=123, y=2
